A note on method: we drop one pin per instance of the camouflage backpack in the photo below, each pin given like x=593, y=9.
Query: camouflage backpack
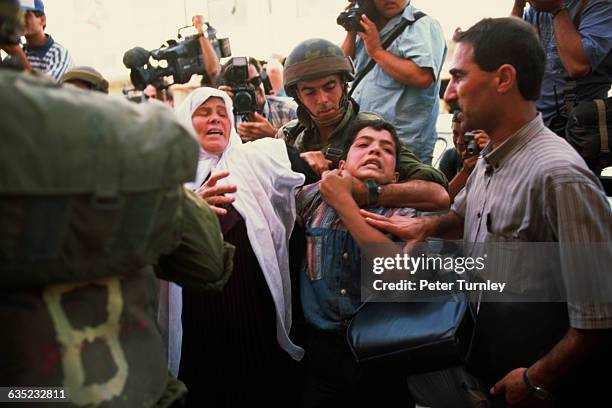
x=90, y=197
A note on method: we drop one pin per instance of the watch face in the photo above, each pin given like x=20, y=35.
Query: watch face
x=540, y=393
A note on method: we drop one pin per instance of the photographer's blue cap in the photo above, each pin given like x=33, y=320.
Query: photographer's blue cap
x=33, y=5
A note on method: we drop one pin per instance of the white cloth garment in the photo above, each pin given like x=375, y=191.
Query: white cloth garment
x=265, y=199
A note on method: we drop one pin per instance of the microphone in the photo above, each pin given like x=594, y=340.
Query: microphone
x=136, y=57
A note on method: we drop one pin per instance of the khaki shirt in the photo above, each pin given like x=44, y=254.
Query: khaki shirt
x=410, y=168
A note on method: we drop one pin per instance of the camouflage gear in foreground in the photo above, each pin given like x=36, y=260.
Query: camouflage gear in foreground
x=90, y=197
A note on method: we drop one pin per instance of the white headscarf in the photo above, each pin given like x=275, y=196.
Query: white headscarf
x=265, y=199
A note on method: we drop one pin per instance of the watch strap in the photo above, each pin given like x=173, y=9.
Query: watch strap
x=373, y=192
x=534, y=390
x=558, y=10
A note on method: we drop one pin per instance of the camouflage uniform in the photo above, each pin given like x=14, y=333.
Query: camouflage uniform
x=90, y=197
x=317, y=58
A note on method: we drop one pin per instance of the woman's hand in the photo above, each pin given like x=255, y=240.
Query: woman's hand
x=214, y=195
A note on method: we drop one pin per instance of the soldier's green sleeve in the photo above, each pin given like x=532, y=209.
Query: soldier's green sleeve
x=411, y=168
x=202, y=260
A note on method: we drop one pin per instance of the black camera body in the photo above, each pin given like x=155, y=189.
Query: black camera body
x=350, y=19
x=184, y=58
x=236, y=75
x=471, y=146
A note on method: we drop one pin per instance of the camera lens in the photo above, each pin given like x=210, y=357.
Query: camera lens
x=256, y=81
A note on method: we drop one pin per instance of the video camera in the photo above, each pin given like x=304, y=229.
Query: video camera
x=184, y=58
x=350, y=18
x=236, y=75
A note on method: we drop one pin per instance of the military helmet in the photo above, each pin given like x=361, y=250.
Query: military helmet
x=90, y=76
x=11, y=22
x=315, y=58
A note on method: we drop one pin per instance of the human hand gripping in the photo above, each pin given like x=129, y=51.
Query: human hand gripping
x=260, y=127
x=228, y=90
x=198, y=23
x=214, y=195
x=370, y=37
x=469, y=162
x=410, y=230
x=514, y=390
x=336, y=188
x=317, y=161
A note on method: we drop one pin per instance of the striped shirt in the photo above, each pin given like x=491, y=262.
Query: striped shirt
x=535, y=188
x=277, y=110
x=52, y=58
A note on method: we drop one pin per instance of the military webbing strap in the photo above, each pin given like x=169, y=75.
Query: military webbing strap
x=106, y=174
x=337, y=149
x=386, y=43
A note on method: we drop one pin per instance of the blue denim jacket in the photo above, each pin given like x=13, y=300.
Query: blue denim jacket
x=330, y=284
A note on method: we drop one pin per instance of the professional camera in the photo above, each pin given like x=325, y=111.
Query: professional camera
x=236, y=75
x=471, y=146
x=350, y=18
x=183, y=59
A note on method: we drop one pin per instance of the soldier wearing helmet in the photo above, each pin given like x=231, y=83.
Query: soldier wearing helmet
x=85, y=78
x=317, y=73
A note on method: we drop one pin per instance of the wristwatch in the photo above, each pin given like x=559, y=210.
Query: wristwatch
x=538, y=392
x=558, y=10
x=373, y=193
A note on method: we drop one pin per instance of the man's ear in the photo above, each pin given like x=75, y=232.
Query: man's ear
x=341, y=164
x=506, y=78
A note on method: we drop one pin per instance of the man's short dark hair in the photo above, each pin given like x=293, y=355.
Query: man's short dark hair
x=508, y=40
x=376, y=124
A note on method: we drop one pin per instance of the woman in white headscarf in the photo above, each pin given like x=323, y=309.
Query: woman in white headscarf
x=238, y=338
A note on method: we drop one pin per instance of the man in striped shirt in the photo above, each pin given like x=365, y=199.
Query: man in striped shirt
x=42, y=51
x=529, y=186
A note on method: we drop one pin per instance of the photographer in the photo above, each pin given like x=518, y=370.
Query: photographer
x=160, y=90
x=41, y=50
x=458, y=162
x=268, y=113
x=404, y=83
x=577, y=39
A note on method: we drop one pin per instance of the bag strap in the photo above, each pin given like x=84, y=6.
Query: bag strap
x=392, y=36
x=603, y=126
x=569, y=94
